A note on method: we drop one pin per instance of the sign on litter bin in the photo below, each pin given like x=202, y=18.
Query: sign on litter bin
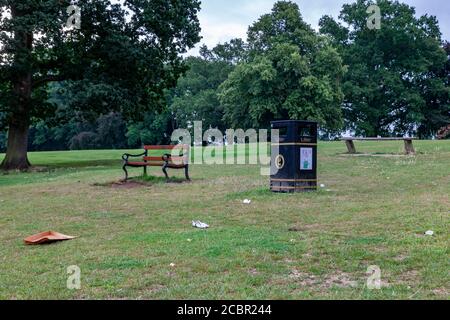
x=306, y=158
x=294, y=157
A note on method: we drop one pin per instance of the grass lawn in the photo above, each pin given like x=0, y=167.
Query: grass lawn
x=374, y=210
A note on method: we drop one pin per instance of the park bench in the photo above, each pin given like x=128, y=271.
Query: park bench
x=409, y=147
x=165, y=161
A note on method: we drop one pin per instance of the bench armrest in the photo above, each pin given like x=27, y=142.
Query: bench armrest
x=125, y=156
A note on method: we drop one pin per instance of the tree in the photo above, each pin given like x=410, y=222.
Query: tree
x=196, y=96
x=112, y=63
x=435, y=88
x=290, y=73
x=152, y=130
x=394, y=83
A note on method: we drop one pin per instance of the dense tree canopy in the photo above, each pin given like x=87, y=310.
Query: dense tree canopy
x=290, y=73
x=396, y=78
x=196, y=96
x=112, y=63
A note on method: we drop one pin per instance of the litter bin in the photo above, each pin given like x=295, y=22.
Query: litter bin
x=294, y=157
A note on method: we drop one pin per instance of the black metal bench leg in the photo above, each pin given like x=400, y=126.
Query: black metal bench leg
x=164, y=169
x=186, y=173
x=126, y=172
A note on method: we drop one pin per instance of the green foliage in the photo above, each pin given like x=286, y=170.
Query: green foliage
x=152, y=130
x=233, y=52
x=291, y=73
x=395, y=81
x=195, y=98
x=122, y=59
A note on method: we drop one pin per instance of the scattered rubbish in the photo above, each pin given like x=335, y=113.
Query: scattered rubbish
x=47, y=237
x=322, y=186
x=200, y=225
x=172, y=265
x=189, y=240
x=247, y=201
x=429, y=233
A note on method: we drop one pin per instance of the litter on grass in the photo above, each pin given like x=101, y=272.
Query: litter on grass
x=322, y=186
x=429, y=233
x=247, y=201
x=47, y=237
x=200, y=225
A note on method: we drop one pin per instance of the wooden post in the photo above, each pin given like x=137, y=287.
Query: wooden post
x=409, y=147
x=350, y=146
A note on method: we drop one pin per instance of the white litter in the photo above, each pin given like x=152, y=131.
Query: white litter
x=247, y=201
x=172, y=265
x=429, y=233
x=189, y=240
x=199, y=224
x=322, y=186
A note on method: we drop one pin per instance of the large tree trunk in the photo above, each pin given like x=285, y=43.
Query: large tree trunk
x=16, y=153
x=16, y=149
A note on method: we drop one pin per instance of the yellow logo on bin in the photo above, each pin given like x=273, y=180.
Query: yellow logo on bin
x=279, y=162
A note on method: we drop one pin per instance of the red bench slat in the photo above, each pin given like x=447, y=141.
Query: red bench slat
x=143, y=164
x=160, y=159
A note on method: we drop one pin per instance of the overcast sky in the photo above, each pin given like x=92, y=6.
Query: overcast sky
x=222, y=20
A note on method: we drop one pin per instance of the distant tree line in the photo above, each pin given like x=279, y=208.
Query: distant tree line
x=388, y=81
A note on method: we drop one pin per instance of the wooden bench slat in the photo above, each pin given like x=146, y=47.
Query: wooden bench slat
x=148, y=164
x=167, y=147
x=161, y=159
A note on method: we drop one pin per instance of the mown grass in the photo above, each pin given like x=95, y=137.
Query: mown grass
x=373, y=210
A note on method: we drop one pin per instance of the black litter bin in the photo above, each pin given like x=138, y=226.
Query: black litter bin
x=294, y=157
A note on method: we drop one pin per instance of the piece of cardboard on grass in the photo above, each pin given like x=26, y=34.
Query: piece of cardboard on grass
x=47, y=237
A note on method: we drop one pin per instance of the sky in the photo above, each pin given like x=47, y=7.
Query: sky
x=222, y=20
